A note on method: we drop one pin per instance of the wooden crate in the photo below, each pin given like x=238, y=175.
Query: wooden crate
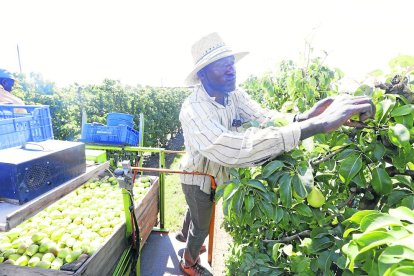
x=104, y=260
x=12, y=215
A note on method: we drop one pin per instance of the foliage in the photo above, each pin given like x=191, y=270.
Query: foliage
x=160, y=106
x=381, y=242
x=294, y=88
x=274, y=229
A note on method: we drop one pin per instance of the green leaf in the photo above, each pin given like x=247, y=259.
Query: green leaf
x=408, y=201
x=359, y=179
x=257, y=185
x=349, y=168
x=276, y=251
x=405, y=238
x=274, y=178
x=401, y=270
x=272, y=167
x=249, y=203
x=394, y=255
x=406, y=120
x=402, y=213
x=219, y=191
x=325, y=261
x=234, y=173
x=348, y=231
x=268, y=210
x=304, y=210
x=379, y=151
x=381, y=181
x=402, y=61
x=285, y=190
x=230, y=190
x=238, y=199
x=399, y=135
x=321, y=244
x=351, y=251
x=358, y=216
x=395, y=197
x=403, y=110
x=373, y=239
x=298, y=186
x=278, y=212
x=376, y=221
x=383, y=109
x=404, y=179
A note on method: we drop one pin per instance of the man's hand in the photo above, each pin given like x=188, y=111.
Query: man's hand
x=338, y=112
x=343, y=108
x=316, y=110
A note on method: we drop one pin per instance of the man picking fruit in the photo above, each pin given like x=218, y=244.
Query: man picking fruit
x=214, y=141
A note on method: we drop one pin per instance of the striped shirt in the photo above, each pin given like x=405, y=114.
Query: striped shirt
x=213, y=144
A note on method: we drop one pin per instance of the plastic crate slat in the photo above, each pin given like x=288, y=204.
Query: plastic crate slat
x=112, y=135
x=17, y=128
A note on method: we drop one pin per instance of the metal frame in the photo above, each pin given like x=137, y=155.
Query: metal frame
x=161, y=152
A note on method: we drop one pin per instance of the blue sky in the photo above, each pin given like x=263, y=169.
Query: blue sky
x=149, y=42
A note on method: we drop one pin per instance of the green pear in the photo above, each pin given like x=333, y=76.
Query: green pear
x=315, y=198
x=33, y=261
x=56, y=264
x=22, y=260
x=43, y=264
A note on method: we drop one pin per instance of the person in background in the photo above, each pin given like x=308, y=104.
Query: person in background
x=7, y=81
x=214, y=141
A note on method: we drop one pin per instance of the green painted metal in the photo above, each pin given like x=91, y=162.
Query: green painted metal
x=127, y=203
x=124, y=148
x=124, y=265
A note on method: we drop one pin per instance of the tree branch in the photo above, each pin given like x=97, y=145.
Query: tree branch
x=393, y=171
x=326, y=157
x=302, y=234
x=345, y=203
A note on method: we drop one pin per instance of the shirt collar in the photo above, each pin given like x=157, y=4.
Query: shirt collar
x=200, y=90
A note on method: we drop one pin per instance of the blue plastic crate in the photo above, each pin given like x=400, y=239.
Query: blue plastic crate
x=24, y=123
x=116, y=119
x=109, y=135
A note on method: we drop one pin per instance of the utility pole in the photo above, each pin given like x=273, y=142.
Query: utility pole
x=18, y=56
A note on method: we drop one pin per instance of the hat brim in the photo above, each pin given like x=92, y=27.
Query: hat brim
x=192, y=78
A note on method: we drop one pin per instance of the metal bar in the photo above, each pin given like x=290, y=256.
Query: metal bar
x=175, y=151
x=127, y=203
x=211, y=235
x=123, y=263
x=121, y=148
x=162, y=192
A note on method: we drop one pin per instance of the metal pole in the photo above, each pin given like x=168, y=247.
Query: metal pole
x=18, y=57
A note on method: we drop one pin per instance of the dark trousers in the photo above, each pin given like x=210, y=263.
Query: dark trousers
x=199, y=209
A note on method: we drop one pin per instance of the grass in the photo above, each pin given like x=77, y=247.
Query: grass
x=175, y=204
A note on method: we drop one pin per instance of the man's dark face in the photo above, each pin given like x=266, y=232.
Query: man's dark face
x=220, y=75
x=7, y=84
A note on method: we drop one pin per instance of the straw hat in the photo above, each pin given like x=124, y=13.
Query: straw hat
x=207, y=50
